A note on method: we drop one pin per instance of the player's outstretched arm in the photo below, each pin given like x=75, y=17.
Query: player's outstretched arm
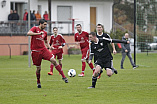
x=115, y=40
x=30, y=33
x=119, y=41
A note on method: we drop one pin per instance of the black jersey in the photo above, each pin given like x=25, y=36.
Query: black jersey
x=101, y=36
x=100, y=49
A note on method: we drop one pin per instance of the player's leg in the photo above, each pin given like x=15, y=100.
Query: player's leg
x=51, y=67
x=48, y=56
x=60, y=57
x=109, y=72
x=38, y=76
x=37, y=58
x=107, y=64
x=123, y=58
x=94, y=78
x=83, y=68
x=112, y=68
x=59, y=69
x=84, y=57
x=91, y=66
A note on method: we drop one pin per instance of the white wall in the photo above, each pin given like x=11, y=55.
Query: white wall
x=80, y=11
x=104, y=14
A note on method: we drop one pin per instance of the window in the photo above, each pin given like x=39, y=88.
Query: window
x=64, y=13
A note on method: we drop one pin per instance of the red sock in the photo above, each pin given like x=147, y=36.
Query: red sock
x=83, y=67
x=60, y=70
x=38, y=77
x=51, y=68
x=91, y=66
x=60, y=65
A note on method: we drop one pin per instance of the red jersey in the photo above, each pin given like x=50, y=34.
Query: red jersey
x=83, y=38
x=37, y=41
x=46, y=17
x=56, y=42
x=25, y=16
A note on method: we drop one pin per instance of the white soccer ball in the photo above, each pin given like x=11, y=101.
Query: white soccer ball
x=71, y=73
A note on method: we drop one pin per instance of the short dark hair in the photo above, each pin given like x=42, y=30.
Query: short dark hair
x=79, y=25
x=100, y=25
x=41, y=21
x=55, y=28
x=92, y=33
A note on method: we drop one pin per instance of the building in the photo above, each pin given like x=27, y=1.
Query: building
x=87, y=12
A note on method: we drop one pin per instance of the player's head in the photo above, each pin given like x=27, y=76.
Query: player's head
x=42, y=24
x=126, y=35
x=99, y=28
x=79, y=28
x=92, y=36
x=55, y=30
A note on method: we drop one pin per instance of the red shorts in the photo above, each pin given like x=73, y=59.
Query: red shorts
x=85, y=53
x=59, y=55
x=37, y=56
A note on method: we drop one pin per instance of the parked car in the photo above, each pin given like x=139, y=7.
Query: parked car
x=152, y=46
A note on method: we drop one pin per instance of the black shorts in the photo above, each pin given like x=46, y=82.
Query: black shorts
x=104, y=62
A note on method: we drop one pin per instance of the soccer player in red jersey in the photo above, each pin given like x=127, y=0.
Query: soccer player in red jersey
x=57, y=41
x=83, y=38
x=39, y=51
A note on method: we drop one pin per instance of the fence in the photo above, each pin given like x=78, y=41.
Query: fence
x=20, y=27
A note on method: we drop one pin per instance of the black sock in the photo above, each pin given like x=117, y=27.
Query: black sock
x=94, y=79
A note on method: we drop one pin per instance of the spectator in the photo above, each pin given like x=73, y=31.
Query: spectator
x=38, y=16
x=126, y=50
x=31, y=17
x=46, y=16
x=15, y=15
x=10, y=16
x=25, y=15
x=34, y=18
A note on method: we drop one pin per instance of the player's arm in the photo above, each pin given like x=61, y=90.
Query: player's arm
x=63, y=43
x=90, y=57
x=91, y=54
x=47, y=45
x=115, y=40
x=114, y=49
x=30, y=33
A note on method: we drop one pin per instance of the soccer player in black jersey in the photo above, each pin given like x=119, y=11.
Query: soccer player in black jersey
x=99, y=47
x=101, y=34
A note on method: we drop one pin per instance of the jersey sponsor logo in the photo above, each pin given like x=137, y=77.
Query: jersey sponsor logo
x=99, y=50
x=40, y=38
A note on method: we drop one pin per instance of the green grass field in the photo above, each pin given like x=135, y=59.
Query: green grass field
x=129, y=86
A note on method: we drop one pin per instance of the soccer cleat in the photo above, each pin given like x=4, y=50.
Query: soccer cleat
x=65, y=80
x=50, y=73
x=115, y=71
x=81, y=75
x=39, y=85
x=122, y=68
x=91, y=87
